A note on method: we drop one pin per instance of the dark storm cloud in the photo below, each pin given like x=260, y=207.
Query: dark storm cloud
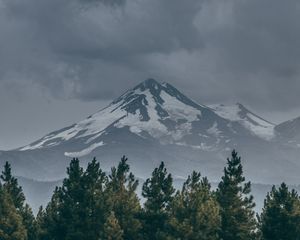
x=215, y=50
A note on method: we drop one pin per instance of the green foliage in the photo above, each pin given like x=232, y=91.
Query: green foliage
x=158, y=192
x=49, y=219
x=92, y=206
x=112, y=229
x=123, y=201
x=233, y=194
x=195, y=211
x=29, y=222
x=11, y=226
x=82, y=206
x=280, y=218
x=11, y=186
x=76, y=209
x=94, y=181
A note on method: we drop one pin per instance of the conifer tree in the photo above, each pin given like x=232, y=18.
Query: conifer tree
x=11, y=186
x=112, y=229
x=11, y=225
x=94, y=180
x=49, y=225
x=158, y=192
x=29, y=222
x=65, y=217
x=40, y=226
x=123, y=201
x=280, y=218
x=72, y=214
x=195, y=211
x=78, y=209
x=233, y=194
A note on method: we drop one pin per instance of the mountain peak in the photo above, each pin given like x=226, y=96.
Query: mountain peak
x=148, y=84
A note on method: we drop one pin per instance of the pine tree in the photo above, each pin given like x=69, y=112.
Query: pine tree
x=78, y=209
x=94, y=180
x=73, y=215
x=112, y=229
x=123, y=201
x=236, y=203
x=280, y=218
x=11, y=226
x=11, y=186
x=195, y=211
x=158, y=192
x=29, y=222
x=49, y=221
x=40, y=224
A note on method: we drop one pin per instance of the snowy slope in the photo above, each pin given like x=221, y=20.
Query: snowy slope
x=238, y=113
x=289, y=132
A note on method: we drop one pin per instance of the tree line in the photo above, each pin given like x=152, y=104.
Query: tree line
x=93, y=205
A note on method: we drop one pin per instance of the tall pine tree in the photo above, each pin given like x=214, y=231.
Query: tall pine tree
x=11, y=225
x=237, y=216
x=94, y=180
x=158, y=192
x=280, y=218
x=72, y=212
x=12, y=187
x=195, y=211
x=123, y=201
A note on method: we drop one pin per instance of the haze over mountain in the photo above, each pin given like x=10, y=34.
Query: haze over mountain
x=155, y=122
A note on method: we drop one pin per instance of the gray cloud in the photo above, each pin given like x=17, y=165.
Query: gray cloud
x=239, y=50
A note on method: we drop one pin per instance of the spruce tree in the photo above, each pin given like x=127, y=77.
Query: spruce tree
x=123, y=201
x=112, y=229
x=195, y=211
x=280, y=218
x=11, y=225
x=158, y=192
x=237, y=216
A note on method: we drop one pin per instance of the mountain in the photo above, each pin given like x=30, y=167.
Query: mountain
x=254, y=123
x=155, y=122
x=289, y=132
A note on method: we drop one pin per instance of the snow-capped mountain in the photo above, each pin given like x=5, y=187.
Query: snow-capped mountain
x=155, y=122
x=159, y=111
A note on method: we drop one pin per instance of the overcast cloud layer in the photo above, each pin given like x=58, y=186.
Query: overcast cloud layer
x=215, y=51
x=93, y=49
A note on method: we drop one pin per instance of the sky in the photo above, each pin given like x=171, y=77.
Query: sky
x=62, y=60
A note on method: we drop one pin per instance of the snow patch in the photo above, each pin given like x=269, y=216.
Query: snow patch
x=214, y=130
x=85, y=151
